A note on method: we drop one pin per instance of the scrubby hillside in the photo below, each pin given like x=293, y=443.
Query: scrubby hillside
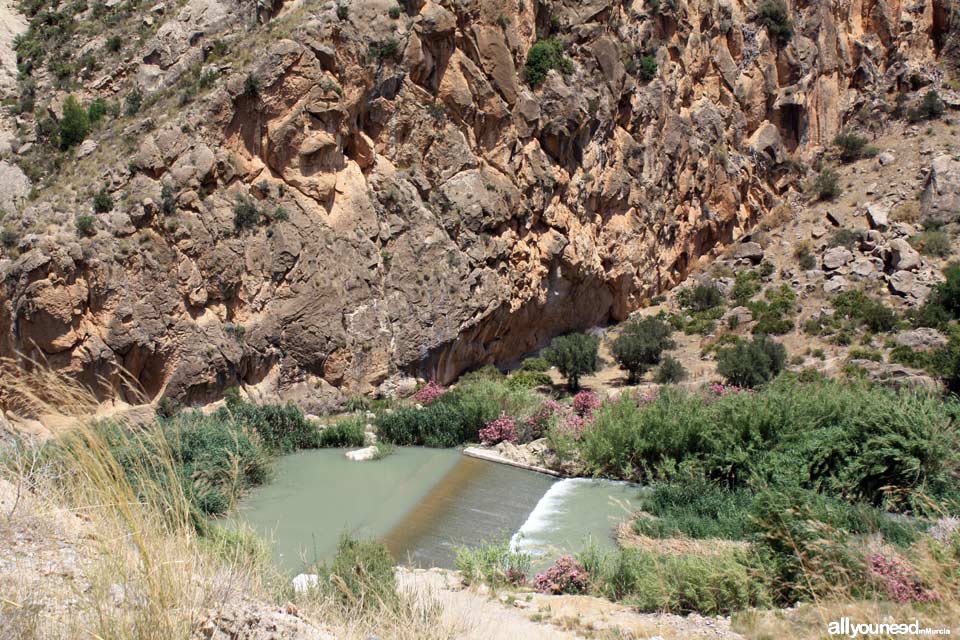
x=323, y=198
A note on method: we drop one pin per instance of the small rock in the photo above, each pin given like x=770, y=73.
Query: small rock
x=885, y=158
x=305, y=582
x=86, y=148
x=836, y=285
x=817, y=232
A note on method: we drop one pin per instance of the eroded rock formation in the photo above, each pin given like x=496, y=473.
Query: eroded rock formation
x=377, y=196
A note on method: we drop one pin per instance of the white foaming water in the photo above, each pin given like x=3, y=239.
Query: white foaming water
x=572, y=510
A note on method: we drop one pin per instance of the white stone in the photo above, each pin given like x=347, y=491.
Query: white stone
x=362, y=455
x=305, y=582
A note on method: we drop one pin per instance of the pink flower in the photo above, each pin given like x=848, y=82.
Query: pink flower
x=899, y=580
x=566, y=576
x=577, y=425
x=503, y=429
x=721, y=390
x=586, y=402
x=428, y=393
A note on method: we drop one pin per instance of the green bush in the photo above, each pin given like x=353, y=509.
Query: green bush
x=943, y=303
x=751, y=364
x=86, y=225
x=858, y=306
x=246, y=213
x=363, y=574
x=891, y=449
x=574, y=355
x=74, y=124
x=647, y=68
x=805, y=557
x=670, y=371
x=102, y=202
x=700, y=297
x=283, y=428
x=345, y=433
x=384, y=49
x=746, y=285
x=853, y=147
x=495, y=565
x=933, y=243
x=97, y=110
x=640, y=345
x=543, y=56
x=457, y=416
x=529, y=380
x=826, y=186
x=694, y=507
x=133, y=102
x=774, y=314
x=930, y=108
x=535, y=364
x=773, y=15
x=652, y=582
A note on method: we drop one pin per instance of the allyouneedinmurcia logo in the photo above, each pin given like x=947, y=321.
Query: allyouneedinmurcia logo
x=844, y=627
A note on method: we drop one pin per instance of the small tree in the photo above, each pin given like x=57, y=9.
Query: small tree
x=751, y=364
x=86, y=225
x=647, y=68
x=931, y=107
x=640, y=345
x=773, y=15
x=853, y=147
x=75, y=123
x=827, y=185
x=700, y=298
x=671, y=371
x=573, y=355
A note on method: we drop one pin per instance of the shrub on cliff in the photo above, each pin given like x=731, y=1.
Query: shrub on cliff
x=853, y=147
x=640, y=345
x=574, y=355
x=543, y=56
x=773, y=15
x=75, y=123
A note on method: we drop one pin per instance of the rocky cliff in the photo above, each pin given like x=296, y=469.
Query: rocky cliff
x=320, y=198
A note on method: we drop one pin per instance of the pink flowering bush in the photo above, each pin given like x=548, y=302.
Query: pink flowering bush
x=575, y=426
x=503, y=429
x=566, y=576
x=718, y=389
x=539, y=421
x=428, y=393
x=899, y=580
x=585, y=403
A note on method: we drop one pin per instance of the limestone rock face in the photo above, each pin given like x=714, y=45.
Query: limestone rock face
x=338, y=216
x=941, y=194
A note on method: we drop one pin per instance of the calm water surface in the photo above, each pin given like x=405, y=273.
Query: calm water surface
x=424, y=503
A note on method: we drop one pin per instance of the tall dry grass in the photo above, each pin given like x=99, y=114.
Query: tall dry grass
x=139, y=568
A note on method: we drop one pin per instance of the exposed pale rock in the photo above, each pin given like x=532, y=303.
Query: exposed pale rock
x=751, y=251
x=878, y=217
x=923, y=338
x=903, y=257
x=941, y=193
x=905, y=283
x=836, y=257
x=362, y=455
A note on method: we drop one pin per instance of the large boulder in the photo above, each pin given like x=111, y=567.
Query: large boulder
x=941, y=193
x=836, y=257
x=922, y=339
x=903, y=257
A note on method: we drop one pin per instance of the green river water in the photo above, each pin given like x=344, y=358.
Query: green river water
x=424, y=503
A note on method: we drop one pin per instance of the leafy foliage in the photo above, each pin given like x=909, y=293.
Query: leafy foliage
x=574, y=355
x=640, y=345
x=544, y=55
x=74, y=124
x=773, y=15
x=750, y=364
